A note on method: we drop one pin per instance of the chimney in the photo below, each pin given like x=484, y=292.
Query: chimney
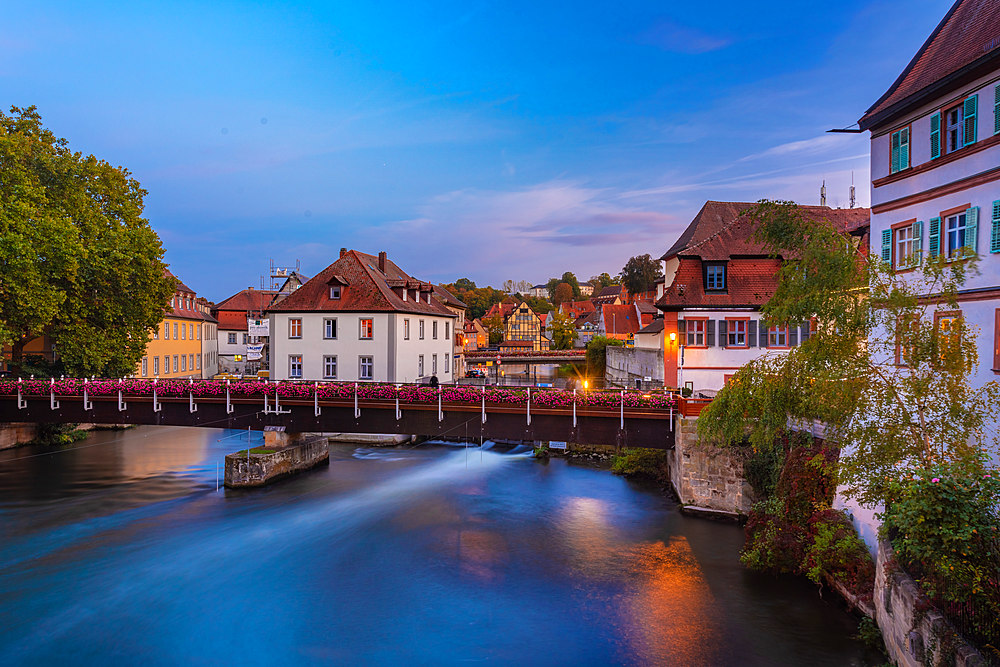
x=381, y=262
x=343, y=251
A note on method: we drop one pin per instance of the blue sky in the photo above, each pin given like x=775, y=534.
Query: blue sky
x=485, y=140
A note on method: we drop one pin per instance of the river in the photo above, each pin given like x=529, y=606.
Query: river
x=120, y=550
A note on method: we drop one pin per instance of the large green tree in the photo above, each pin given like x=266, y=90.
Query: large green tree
x=640, y=274
x=563, y=330
x=78, y=262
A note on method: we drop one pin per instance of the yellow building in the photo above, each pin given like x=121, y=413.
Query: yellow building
x=177, y=348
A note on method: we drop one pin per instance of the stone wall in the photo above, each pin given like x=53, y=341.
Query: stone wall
x=912, y=637
x=17, y=433
x=626, y=365
x=260, y=469
x=706, y=476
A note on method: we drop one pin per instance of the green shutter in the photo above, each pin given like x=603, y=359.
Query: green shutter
x=995, y=232
x=918, y=242
x=894, y=152
x=904, y=148
x=936, y=135
x=996, y=110
x=886, y=245
x=969, y=113
x=971, y=228
x=934, y=238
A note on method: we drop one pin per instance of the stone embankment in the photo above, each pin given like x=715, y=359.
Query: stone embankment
x=285, y=454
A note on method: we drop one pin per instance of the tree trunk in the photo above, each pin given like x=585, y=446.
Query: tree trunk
x=17, y=355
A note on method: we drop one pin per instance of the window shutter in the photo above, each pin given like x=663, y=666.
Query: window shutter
x=969, y=113
x=886, y=245
x=996, y=341
x=710, y=333
x=894, y=153
x=723, y=342
x=972, y=228
x=934, y=238
x=936, y=135
x=806, y=331
x=793, y=336
x=996, y=110
x=995, y=232
x=752, y=333
x=682, y=331
x=904, y=148
x=918, y=242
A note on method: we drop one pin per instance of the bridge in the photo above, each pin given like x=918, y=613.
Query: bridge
x=543, y=357
x=620, y=418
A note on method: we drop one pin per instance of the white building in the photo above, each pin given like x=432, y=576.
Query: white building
x=362, y=319
x=935, y=164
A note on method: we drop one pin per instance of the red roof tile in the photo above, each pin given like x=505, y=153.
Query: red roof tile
x=964, y=39
x=621, y=319
x=248, y=300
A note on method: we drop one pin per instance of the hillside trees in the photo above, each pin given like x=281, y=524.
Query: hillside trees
x=77, y=260
x=640, y=273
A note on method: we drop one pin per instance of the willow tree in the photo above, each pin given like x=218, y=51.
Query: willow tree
x=78, y=262
x=886, y=370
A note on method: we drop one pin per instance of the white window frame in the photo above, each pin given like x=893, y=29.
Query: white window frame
x=961, y=226
x=421, y=330
x=361, y=328
x=905, y=245
x=330, y=328
x=434, y=330
x=420, y=365
x=145, y=367
x=736, y=333
x=295, y=364
x=294, y=324
x=330, y=363
x=406, y=326
x=693, y=332
x=156, y=366
x=361, y=367
x=447, y=363
x=231, y=338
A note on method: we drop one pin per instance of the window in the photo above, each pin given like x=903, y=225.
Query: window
x=183, y=332
x=715, y=276
x=145, y=367
x=295, y=365
x=434, y=330
x=777, y=337
x=329, y=328
x=900, y=150
x=907, y=245
x=956, y=228
x=366, y=368
x=246, y=338
x=996, y=314
x=736, y=334
x=434, y=364
x=166, y=364
x=421, y=330
x=447, y=363
x=295, y=327
x=166, y=331
x=953, y=129
x=367, y=328
x=406, y=327
x=198, y=361
x=156, y=365
x=420, y=365
x=696, y=333
x=191, y=362
x=176, y=363
x=334, y=291
x=191, y=332
x=175, y=330
x=447, y=330
x=330, y=367
x=199, y=332
x=232, y=339
x=948, y=325
x=184, y=363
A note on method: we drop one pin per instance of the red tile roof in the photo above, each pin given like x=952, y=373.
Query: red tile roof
x=621, y=319
x=721, y=230
x=751, y=282
x=965, y=39
x=250, y=299
x=367, y=289
x=577, y=308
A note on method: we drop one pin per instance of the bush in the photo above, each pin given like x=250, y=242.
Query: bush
x=57, y=435
x=762, y=470
x=837, y=551
x=650, y=463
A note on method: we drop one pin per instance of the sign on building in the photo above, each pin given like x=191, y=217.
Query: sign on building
x=557, y=444
x=258, y=327
x=255, y=352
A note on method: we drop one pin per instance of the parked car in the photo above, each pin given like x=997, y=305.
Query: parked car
x=475, y=373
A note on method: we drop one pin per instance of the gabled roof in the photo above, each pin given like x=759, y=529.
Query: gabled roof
x=656, y=326
x=720, y=230
x=448, y=298
x=621, y=319
x=577, y=308
x=962, y=47
x=247, y=300
x=367, y=289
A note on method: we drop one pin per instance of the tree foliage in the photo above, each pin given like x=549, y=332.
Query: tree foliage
x=494, y=326
x=570, y=279
x=563, y=293
x=563, y=331
x=640, y=273
x=478, y=299
x=604, y=280
x=597, y=354
x=895, y=418
x=78, y=261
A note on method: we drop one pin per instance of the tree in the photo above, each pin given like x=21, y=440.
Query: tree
x=597, y=355
x=602, y=281
x=464, y=285
x=640, y=274
x=564, y=293
x=77, y=260
x=536, y=303
x=563, y=332
x=571, y=280
x=494, y=326
x=522, y=286
x=886, y=369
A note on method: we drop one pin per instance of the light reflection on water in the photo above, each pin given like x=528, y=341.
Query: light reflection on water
x=120, y=550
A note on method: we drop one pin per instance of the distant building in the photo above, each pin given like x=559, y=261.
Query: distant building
x=362, y=318
x=576, y=309
x=235, y=315
x=176, y=349
x=611, y=295
x=586, y=289
x=475, y=336
x=587, y=327
x=619, y=322
x=640, y=365
x=521, y=323
x=209, y=340
x=539, y=291
x=458, y=307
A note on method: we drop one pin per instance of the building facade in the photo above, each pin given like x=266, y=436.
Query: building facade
x=935, y=165
x=458, y=307
x=176, y=349
x=235, y=315
x=362, y=319
x=717, y=279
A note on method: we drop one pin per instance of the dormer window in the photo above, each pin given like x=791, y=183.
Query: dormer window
x=334, y=291
x=715, y=277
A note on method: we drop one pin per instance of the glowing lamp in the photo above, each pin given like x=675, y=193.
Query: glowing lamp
x=673, y=337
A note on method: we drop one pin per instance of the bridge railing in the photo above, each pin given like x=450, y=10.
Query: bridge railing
x=88, y=388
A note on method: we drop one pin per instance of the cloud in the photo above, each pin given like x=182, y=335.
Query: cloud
x=671, y=36
x=818, y=144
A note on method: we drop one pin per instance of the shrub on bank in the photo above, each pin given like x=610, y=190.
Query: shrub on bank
x=637, y=462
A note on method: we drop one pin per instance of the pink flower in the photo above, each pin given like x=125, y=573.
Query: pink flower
x=936, y=480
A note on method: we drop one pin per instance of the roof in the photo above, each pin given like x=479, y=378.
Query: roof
x=645, y=307
x=517, y=343
x=610, y=290
x=367, y=289
x=750, y=281
x=577, y=308
x=593, y=318
x=656, y=326
x=963, y=42
x=250, y=299
x=540, y=287
x=448, y=298
x=721, y=230
x=621, y=319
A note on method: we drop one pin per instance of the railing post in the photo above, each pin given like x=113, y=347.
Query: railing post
x=122, y=405
x=53, y=403
x=316, y=408
x=192, y=407
x=484, y=404
x=156, y=403
x=529, y=406
x=399, y=414
x=574, y=407
x=21, y=403
x=87, y=403
x=229, y=404
x=440, y=413
x=623, y=410
x=357, y=410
